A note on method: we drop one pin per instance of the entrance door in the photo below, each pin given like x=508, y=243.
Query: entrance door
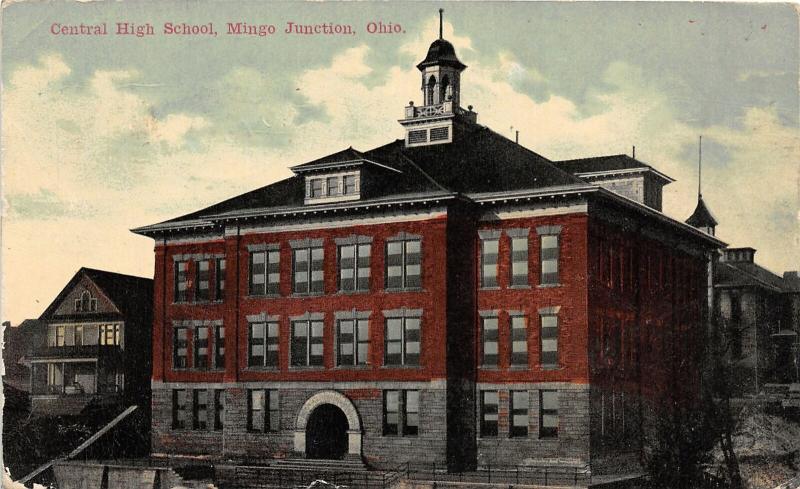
x=326, y=433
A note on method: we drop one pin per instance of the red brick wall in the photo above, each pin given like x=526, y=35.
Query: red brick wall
x=431, y=299
x=570, y=295
x=646, y=313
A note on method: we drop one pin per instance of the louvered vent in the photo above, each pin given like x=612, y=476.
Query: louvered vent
x=440, y=133
x=417, y=137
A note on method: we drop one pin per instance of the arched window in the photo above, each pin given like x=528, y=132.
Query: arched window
x=430, y=90
x=443, y=96
x=86, y=303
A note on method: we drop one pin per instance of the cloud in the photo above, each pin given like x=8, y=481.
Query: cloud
x=45, y=204
x=85, y=160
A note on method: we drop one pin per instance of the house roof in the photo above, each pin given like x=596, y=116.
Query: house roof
x=481, y=161
x=128, y=293
x=701, y=217
x=481, y=164
x=747, y=274
x=598, y=165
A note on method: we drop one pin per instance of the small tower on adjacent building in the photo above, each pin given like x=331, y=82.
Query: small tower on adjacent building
x=432, y=123
x=702, y=218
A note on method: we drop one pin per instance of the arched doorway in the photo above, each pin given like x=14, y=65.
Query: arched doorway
x=338, y=401
x=326, y=433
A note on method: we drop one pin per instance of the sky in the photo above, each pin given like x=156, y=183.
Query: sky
x=101, y=134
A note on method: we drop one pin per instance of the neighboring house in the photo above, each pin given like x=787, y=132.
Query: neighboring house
x=760, y=312
x=94, y=345
x=18, y=344
x=756, y=307
x=449, y=297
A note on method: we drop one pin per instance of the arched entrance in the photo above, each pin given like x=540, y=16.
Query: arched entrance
x=326, y=433
x=311, y=426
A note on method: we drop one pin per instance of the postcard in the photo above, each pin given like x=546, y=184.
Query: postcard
x=396, y=245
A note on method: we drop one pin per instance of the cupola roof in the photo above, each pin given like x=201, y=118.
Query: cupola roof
x=441, y=53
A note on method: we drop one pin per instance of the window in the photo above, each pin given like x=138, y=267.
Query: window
x=265, y=272
x=519, y=413
x=219, y=409
x=201, y=347
x=307, y=346
x=411, y=410
x=202, y=272
x=401, y=412
x=403, y=263
x=180, y=345
x=519, y=260
x=179, y=415
x=69, y=335
x=78, y=335
x=549, y=259
x=60, y=335
x=519, y=340
x=489, y=402
x=55, y=378
x=307, y=272
x=263, y=411
x=548, y=414
x=349, y=184
x=219, y=343
x=199, y=409
x=549, y=340
x=316, y=188
x=219, y=289
x=490, y=346
x=109, y=334
x=352, y=341
x=354, y=268
x=333, y=186
x=263, y=344
x=391, y=412
x=489, y=253
x=86, y=303
x=181, y=281
x=402, y=341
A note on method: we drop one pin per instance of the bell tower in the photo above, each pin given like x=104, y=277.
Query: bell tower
x=432, y=122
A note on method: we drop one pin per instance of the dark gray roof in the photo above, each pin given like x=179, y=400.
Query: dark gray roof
x=701, y=217
x=478, y=165
x=610, y=163
x=442, y=53
x=747, y=274
x=480, y=161
x=129, y=293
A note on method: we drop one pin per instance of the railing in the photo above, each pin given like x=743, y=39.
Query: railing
x=75, y=351
x=505, y=474
x=269, y=477
x=274, y=477
x=429, y=110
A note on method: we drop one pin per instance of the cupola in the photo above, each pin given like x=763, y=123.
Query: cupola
x=432, y=122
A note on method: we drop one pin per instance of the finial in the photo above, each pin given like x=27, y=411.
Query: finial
x=441, y=12
x=700, y=168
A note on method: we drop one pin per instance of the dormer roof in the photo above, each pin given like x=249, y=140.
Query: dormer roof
x=600, y=166
x=347, y=158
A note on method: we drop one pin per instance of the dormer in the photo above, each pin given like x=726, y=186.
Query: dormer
x=622, y=175
x=432, y=122
x=338, y=177
x=740, y=255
